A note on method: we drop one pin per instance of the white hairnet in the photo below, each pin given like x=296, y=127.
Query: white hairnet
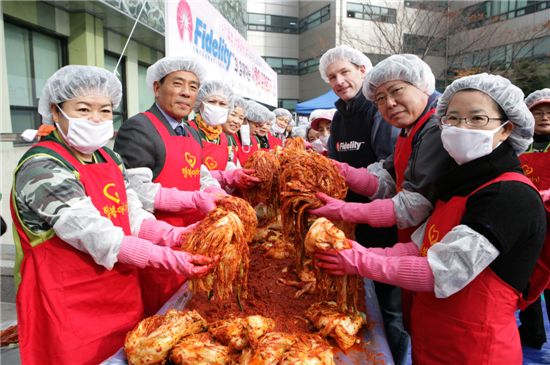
x=76, y=81
x=508, y=96
x=299, y=131
x=538, y=97
x=282, y=112
x=258, y=113
x=403, y=67
x=342, y=53
x=167, y=65
x=214, y=88
x=237, y=102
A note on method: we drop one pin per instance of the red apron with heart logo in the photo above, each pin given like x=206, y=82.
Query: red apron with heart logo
x=477, y=324
x=181, y=170
x=71, y=310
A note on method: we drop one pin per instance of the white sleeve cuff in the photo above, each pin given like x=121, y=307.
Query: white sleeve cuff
x=386, y=184
x=458, y=259
x=141, y=180
x=411, y=208
x=81, y=226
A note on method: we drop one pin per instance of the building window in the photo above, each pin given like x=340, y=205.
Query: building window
x=433, y=5
x=371, y=12
x=489, y=12
x=423, y=45
x=288, y=104
x=146, y=95
x=309, y=65
x=119, y=114
x=497, y=57
x=272, y=23
x=31, y=58
x=314, y=19
x=283, y=66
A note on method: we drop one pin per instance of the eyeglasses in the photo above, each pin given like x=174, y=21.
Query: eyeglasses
x=394, y=94
x=540, y=114
x=475, y=121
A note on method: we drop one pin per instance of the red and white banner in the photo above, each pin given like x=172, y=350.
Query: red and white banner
x=195, y=27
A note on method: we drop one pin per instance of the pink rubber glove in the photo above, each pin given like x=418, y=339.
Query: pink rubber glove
x=142, y=253
x=175, y=200
x=236, y=178
x=409, y=272
x=162, y=233
x=379, y=213
x=399, y=249
x=545, y=194
x=359, y=180
x=212, y=189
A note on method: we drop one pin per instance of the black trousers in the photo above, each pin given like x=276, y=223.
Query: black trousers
x=531, y=330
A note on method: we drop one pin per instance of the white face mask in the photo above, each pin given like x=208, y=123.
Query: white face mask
x=214, y=115
x=324, y=140
x=245, y=134
x=86, y=136
x=277, y=129
x=465, y=145
x=317, y=146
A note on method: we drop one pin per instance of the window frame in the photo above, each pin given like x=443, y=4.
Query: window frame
x=62, y=41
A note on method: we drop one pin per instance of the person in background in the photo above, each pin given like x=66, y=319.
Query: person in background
x=359, y=137
x=472, y=259
x=260, y=120
x=211, y=112
x=283, y=118
x=232, y=127
x=536, y=165
x=320, y=121
x=249, y=143
x=80, y=230
x=164, y=155
x=311, y=135
x=213, y=100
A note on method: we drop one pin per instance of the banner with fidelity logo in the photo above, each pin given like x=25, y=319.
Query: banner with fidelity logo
x=196, y=28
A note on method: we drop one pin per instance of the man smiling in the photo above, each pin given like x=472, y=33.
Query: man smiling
x=360, y=137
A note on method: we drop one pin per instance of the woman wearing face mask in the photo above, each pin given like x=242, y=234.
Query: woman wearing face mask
x=536, y=165
x=81, y=232
x=232, y=127
x=320, y=121
x=213, y=110
x=211, y=113
x=283, y=118
x=471, y=261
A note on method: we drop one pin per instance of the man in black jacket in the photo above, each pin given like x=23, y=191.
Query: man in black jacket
x=359, y=136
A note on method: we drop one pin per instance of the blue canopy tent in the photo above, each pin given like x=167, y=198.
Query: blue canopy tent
x=325, y=101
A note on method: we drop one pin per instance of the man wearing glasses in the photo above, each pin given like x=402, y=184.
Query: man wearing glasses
x=401, y=188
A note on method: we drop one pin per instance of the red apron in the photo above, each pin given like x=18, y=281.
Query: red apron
x=181, y=170
x=536, y=166
x=476, y=325
x=401, y=155
x=215, y=155
x=244, y=152
x=71, y=310
x=273, y=141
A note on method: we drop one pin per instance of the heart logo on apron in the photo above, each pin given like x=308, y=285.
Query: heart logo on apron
x=210, y=163
x=115, y=198
x=191, y=160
